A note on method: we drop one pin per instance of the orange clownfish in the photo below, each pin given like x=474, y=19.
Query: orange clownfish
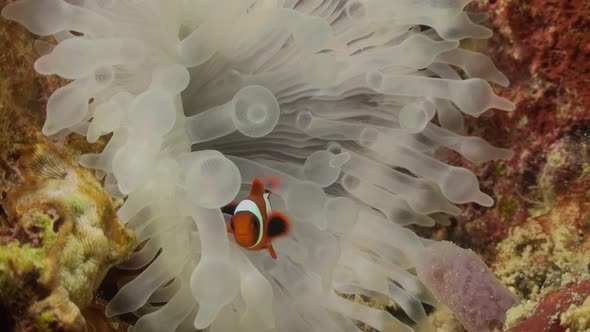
x=253, y=223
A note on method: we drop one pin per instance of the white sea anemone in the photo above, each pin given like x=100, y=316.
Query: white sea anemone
x=334, y=97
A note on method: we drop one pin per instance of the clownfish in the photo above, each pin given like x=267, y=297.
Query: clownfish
x=253, y=223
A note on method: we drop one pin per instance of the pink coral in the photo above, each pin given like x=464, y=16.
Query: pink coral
x=461, y=280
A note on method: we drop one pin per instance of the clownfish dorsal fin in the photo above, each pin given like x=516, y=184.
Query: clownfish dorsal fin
x=257, y=188
x=278, y=225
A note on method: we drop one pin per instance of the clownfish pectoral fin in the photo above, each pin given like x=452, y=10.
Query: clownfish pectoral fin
x=271, y=250
x=257, y=188
x=278, y=225
x=229, y=208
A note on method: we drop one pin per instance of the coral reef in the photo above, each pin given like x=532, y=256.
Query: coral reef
x=545, y=253
x=28, y=239
x=61, y=236
x=577, y=317
x=541, y=208
x=553, y=165
x=29, y=242
x=347, y=102
x=537, y=255
x=537, y=228
x=560, y=303
x=542, y=47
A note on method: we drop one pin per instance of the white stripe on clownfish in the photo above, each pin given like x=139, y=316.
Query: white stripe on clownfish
x=249, y=206
x=266, y=197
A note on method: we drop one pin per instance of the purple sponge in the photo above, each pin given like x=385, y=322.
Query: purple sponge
x=461, y=280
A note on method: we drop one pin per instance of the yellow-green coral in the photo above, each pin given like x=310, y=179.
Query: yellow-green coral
x=66, y=266
x=49, y=235
x=577, y=318
x=45, y=322
x=20, y=262
x=16, y=260
x=532, y=258
x=545, y=253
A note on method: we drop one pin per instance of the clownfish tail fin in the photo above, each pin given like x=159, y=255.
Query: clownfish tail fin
x=271, y=250
x=229, y=208
x=278, y=225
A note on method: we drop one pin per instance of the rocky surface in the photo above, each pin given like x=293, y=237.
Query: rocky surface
x=58, y=229
x=537, y=234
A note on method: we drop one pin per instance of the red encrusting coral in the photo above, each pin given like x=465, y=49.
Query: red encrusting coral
x=552, y=35
x=543, y=47
x=545, y=318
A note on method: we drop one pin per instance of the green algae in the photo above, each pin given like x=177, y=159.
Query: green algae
x=20, y=261
x=25, y=257
x=49, y=235
x=507, y=209
x=16, y=260
x=77, y=203
x=45, y=322
x=20, y=268
x=499, y=169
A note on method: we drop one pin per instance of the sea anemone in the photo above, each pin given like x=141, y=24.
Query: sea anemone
x=345, y=101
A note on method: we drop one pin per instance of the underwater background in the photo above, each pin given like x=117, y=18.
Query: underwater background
x=61, y=239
